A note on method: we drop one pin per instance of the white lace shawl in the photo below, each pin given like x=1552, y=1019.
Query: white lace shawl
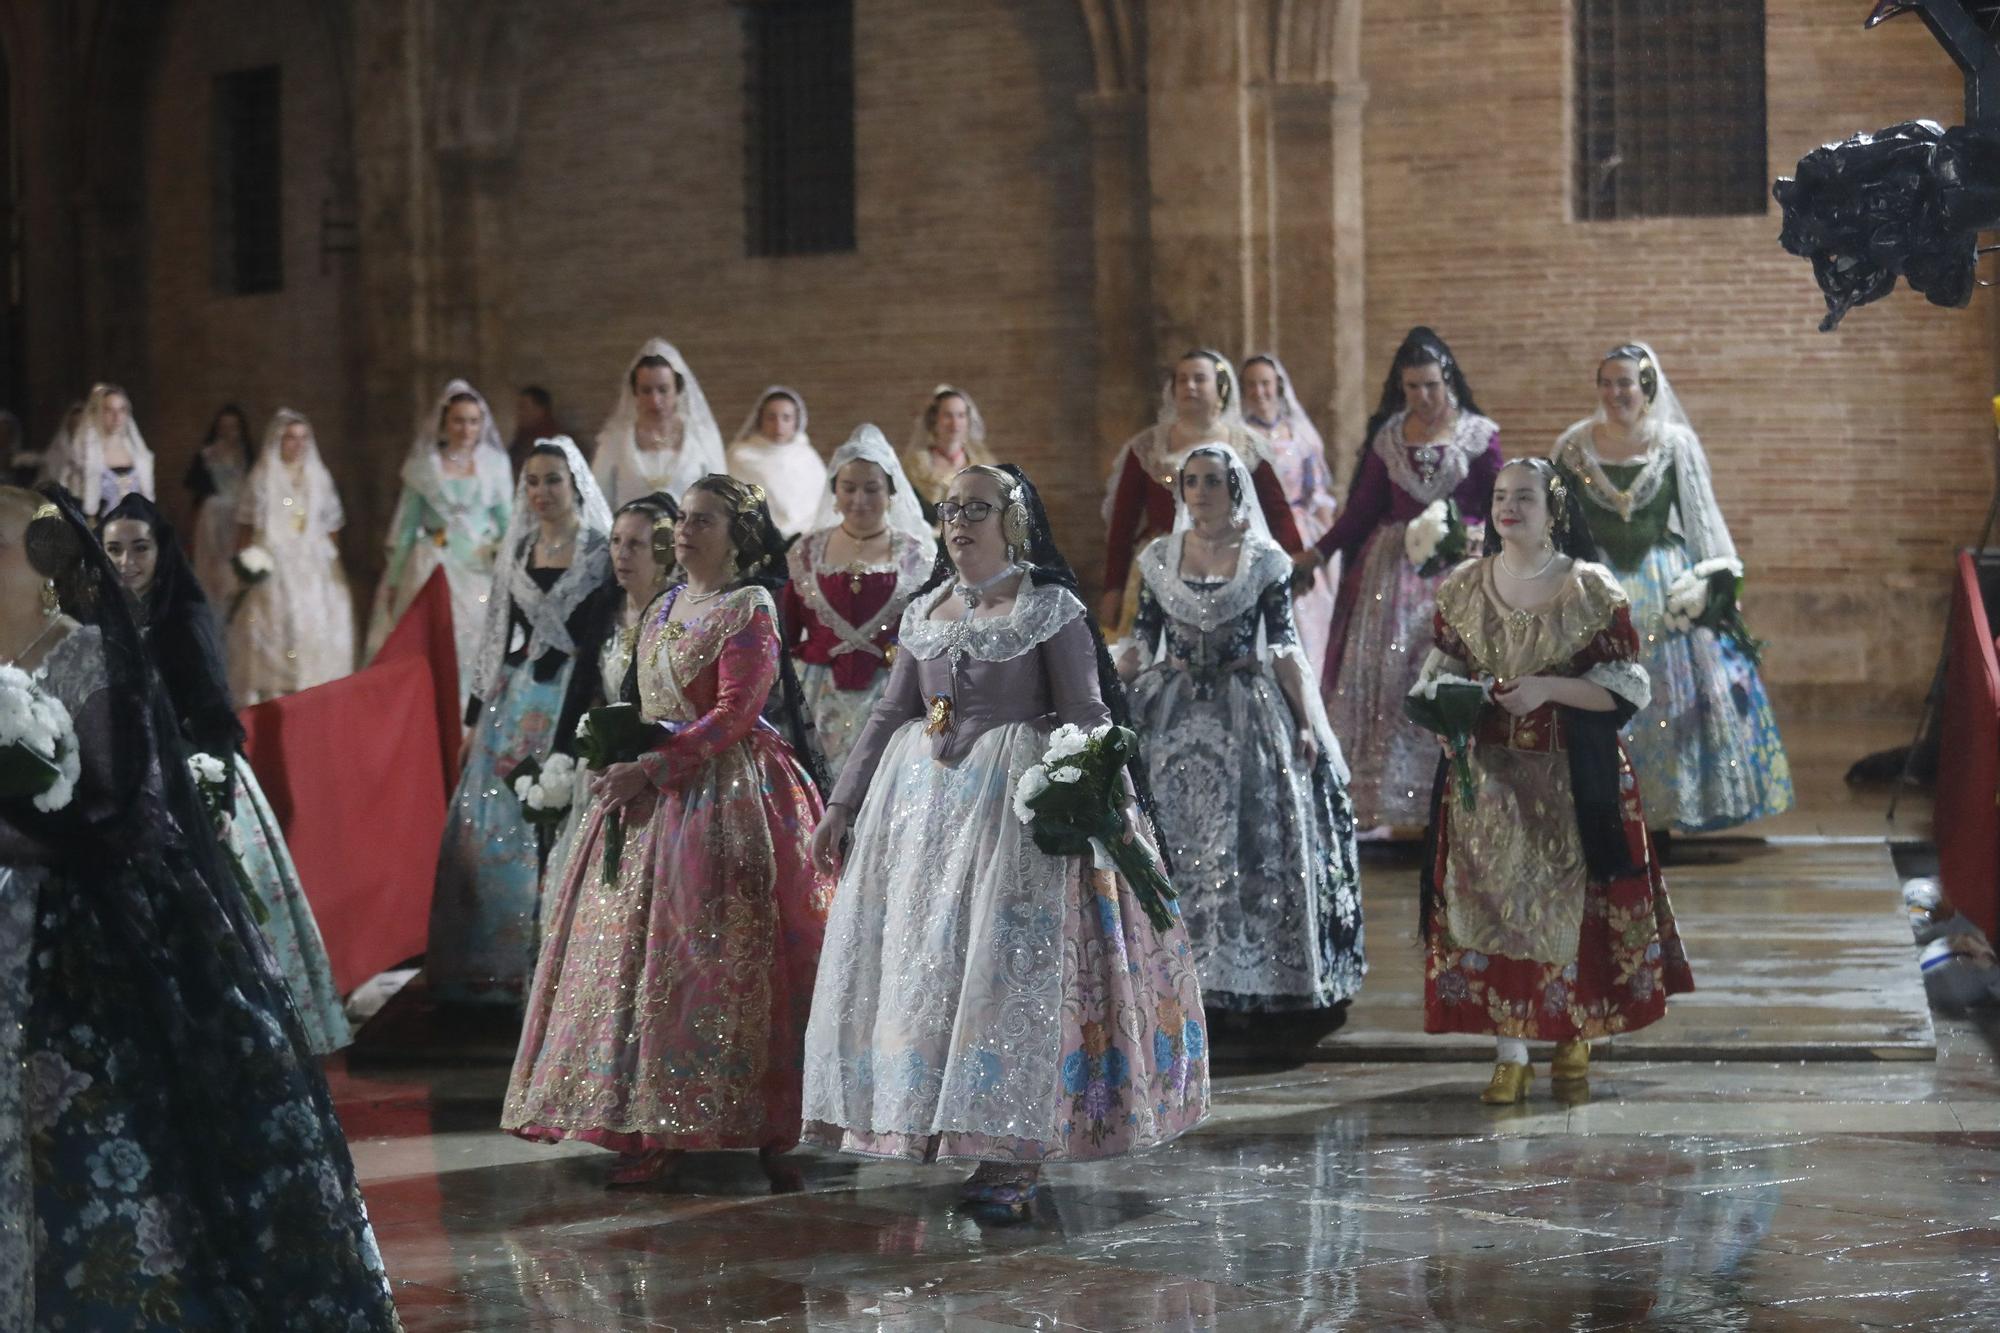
x=1039, y=612
x=1470, y=436
x=1697, y=518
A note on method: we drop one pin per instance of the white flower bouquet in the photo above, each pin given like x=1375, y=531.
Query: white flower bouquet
x=251, y=565
x=1451, y=706
x=212, y=782
x=38, y=750
x=1439, y=538
x=1706, y=597
x=1073, y=803
x=546, y=791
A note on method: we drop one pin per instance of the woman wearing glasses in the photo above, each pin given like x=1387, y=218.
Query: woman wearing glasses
x=979, y=998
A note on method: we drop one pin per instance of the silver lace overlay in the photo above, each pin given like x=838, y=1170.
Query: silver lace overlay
x=1039, y=611
x=1452, y=456
x=1628, y=680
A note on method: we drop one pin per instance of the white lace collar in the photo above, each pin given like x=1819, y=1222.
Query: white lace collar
x=1452, y=456
x=1258, y=565
x=1039, y=612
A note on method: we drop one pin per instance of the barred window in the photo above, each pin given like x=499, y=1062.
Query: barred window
x=799, y=186
x=1669, y=108
x=248, y=218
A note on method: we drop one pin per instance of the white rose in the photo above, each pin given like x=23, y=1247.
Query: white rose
x=1032, y=784
x=1066, y=740
x=255, y=559
x=1066, y=774
x=1425, y=531
x=533, y=800
x=523, y=785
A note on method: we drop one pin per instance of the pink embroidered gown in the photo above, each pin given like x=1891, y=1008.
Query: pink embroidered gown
x=668, y=1009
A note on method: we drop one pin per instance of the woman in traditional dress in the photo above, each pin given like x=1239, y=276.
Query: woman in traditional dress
x=980, y=998
x=661, y=435
x=1271, y=405
x=1426, y=442
x=215, y=480
x=171, y=1158
x=947, y=437
x=669, y=1006
x=293, y=629
x=1706, y=748
x=1200, y=405
x=186, y=648
x=772, y=450
x=1247, y=775
x=554, y=557
x=869, y=551
x=1544, y=913
x=458, y=493
x=102, y=458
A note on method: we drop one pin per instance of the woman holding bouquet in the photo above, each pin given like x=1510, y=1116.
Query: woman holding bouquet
x=1426, y=442
x=458, y=491
x=1544, y=913
x=669, y=1005
x=294, y=628
x=1706, y=748
x=980, y=998
x=851, y=576
x=1250, y=783
x=555, y=556
x=1200, y=404
x=172, y=1159
x=186, y=649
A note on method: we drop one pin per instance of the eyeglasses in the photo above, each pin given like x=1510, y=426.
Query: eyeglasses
x=978, y=511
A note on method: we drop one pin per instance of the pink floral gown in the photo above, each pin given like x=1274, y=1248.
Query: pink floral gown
x=668, y=1009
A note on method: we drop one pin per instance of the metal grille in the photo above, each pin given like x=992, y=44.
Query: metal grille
x=799, y=186
x=1669, y=108
x=248, y=219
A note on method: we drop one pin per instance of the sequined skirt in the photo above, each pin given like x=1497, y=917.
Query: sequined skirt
x=1382, y=633
x=980, y=998
x=669, y=1007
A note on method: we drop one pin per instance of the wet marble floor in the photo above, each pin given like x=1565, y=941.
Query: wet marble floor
x=1371, y=1193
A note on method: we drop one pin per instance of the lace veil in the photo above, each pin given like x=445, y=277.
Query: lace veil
x=490, y=461
x=272, y=506
x=701, y=438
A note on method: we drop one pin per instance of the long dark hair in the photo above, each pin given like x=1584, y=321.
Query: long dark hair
x=1046, y=565
x=199, y=480
x=1572, y=534
x=1420, y=347
x=760, y=558
x=182, y=635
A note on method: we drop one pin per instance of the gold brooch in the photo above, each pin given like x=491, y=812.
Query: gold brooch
x=889, y=655
x=940, y=715
x=675, y=629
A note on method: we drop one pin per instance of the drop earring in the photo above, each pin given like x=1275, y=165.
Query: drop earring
x=51, y=601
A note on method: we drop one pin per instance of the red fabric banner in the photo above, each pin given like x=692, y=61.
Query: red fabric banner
x=358, y=772
x=1967, y=814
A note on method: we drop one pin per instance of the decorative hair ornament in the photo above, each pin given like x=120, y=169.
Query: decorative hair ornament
x=45, y=510
x=1013, y=510
x=753, y=493
x=1649, y=374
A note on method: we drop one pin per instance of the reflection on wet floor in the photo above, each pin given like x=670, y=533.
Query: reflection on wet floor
x=1748, y=1193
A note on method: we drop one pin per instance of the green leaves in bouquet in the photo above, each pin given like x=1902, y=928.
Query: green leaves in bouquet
x=1452, y=711
x=1724, y=614
x=25, y=774
x=615, y=734
x=1069, y=815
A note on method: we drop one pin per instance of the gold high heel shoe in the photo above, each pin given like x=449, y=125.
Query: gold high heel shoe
x=1572, y=1062
x=1509, y=1085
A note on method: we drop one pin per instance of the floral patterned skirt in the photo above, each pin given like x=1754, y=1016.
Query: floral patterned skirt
x=978, y=998
x=289, y=927
x=483, y=934
x=837, y=714
x=1262, y=846
x=1629, y=956
x=1381, y=635
x=669, y=1007
x=1706, y=748
x=188, y=1169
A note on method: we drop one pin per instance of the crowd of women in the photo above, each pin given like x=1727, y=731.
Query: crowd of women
x=803, y=897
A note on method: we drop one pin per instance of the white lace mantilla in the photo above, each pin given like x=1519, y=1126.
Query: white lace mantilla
x=1260, y=564
x=1451, y=458
x=1039, y=612
x=1697, y=517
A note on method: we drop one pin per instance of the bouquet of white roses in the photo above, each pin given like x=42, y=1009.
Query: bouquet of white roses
x=1439, y=538
x=1451, y=706
x=38, y=751
x=546, y=791
x=1706, y=597
x=1073, y=802
x=251, y=565
x=212, y=782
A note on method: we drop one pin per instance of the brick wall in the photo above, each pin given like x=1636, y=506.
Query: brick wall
x=973, y=263
x=287, y=348
x=1848, y=464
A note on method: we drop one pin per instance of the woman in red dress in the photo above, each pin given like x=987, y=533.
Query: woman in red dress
x=1201, y=406
x=1544, y=912
x=854, y=571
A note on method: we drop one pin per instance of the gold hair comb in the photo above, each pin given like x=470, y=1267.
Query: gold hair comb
x=755, y=492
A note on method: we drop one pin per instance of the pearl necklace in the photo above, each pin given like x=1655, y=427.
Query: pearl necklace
x=1529, y=578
